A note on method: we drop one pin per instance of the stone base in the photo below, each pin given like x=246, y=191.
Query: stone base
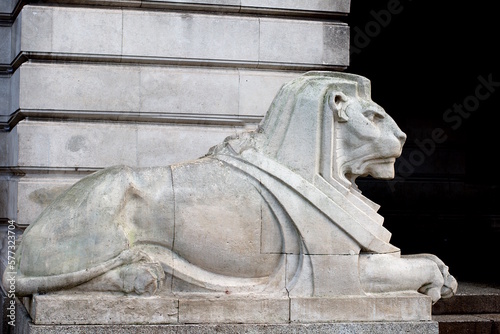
x=25, y=326
x=97, y=309
x=333, y=328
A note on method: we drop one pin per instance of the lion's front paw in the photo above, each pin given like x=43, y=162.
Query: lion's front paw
x=442, y=284
x=433, y=289
x=449, y=286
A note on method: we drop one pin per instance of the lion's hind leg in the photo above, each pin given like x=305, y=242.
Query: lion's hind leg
x=133, y=268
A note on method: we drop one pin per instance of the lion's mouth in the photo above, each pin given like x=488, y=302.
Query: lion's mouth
x=382, y=161
x=379, y=168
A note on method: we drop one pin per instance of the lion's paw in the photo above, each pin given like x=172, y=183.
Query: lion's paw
x=449, y=287
x=142, y=278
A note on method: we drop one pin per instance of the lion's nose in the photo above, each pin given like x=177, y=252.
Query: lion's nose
x=401, y=136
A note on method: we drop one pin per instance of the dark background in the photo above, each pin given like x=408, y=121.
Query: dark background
x=423, y=58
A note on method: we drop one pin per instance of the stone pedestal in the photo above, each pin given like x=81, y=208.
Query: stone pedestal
x=74, y=313
x=97, y=309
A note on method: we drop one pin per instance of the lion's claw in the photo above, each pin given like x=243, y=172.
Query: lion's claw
x=449, y=287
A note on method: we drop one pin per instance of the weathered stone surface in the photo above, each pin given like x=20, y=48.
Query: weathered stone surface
x=234, y=310
x=280, y=42
x=7, y=6
x=173, y=91
x=202, y=36
x=354, y=308
x=8, y=191
x=297, y=7
x=95, y=309
x=14, y=83
x=37, y=191
x=4, y=96
x=194, y=37
x=80, y=87
x=5, y=45
x=111, y=91
x=78, y=145
x=71, y=308
x=8, y=148
x=160, y=145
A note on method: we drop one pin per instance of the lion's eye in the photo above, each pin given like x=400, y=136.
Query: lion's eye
x=373, y=115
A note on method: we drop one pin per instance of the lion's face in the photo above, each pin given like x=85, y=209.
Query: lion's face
x=368, y=140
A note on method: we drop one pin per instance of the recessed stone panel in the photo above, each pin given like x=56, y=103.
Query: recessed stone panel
x=75, y=145
x=172, y=37
x=257, y=90
x=165, y=89
x=104, y=309
x=106, y=91
x=5, y=44
x=91, y=30
x=4, y=96
x=162, y=145
x=195, y=36
x=34, y=30
x=282, y=41
x=234, y=310
x=341, y=6
x=413, y=307
x=79, y=87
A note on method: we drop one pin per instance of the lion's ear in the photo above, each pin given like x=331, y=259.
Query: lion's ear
x=337, y=102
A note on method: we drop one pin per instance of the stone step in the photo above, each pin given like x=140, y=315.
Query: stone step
x=471, y=298
x=468, y=323
x=475, y=309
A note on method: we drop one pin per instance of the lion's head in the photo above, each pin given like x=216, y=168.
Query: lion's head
x=326, y=123
x=368, y=141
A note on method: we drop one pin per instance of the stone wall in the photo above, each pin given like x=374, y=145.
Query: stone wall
x=86, y=84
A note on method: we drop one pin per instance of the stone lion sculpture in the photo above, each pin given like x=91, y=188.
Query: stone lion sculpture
x=271, y=211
